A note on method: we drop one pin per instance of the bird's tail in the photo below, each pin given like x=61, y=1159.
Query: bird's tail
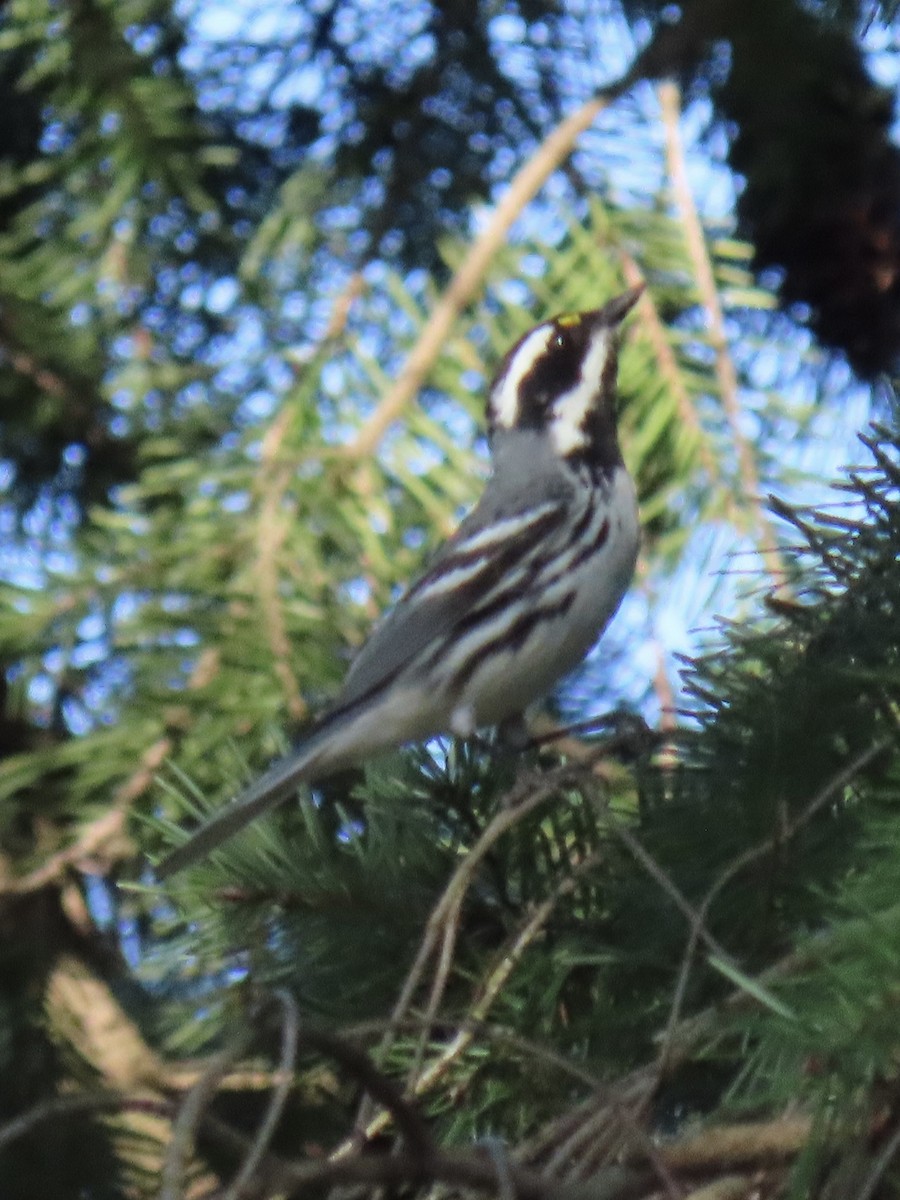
x=278, y=783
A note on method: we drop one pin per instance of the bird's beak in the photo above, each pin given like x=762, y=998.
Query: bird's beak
x=615, y=310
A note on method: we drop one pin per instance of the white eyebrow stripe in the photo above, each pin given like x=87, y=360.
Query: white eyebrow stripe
x=505, y=398
x=570, y=409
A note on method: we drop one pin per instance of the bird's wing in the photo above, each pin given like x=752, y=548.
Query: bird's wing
x=491, y=554
x=492, y=551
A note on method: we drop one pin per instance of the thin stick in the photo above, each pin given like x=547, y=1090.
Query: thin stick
x=639, y=851
x=64, y=1106
x=882, y=1162
x=652, y=325
x=272, y=526
x=416, y=1133
x=517, y=804
x=290, y=1029
x=190, y=1114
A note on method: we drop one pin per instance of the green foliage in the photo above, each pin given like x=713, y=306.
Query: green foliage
x=191, y=366
x=798, y=833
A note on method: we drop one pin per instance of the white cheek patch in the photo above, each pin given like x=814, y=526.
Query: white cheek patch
x=505, y=397
x=567, y=427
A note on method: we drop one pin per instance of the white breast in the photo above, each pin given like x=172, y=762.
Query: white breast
x=580, y=588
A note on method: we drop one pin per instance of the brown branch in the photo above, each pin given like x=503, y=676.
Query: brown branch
x=416, y=1133
x=492, y=986
x=190, y=1113
x=25, y=364
x=522, y=799
x=474, y=1169
x=882, y=1162
x=724, y=1146
x=730, y=1187
x=290, y=1029
x=726, y=374
x=83, y=1011
x=670, y=47
x=64, y=1106
x=471, y=1169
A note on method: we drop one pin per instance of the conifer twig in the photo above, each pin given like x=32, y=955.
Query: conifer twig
x=272, y=528
x=695, y=239
x=653, y=327
x=738, y=864
x=497, y=977
x=98, y=835
x=522, y=799
x=468, y=276
x=469, y=1169
x=490, y=1032
x=643, y=856
x=274, y=476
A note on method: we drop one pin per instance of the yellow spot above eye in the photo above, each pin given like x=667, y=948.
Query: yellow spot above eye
x=567, y=320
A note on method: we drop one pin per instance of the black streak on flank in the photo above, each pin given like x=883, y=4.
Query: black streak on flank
x=498, y=558
x=513, y=637
x=593, y=547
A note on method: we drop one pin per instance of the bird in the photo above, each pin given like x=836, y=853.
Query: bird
x=512, y=601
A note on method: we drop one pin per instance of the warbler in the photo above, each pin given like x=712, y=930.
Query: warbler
x=515, y=598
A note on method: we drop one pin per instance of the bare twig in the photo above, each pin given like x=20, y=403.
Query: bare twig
x=528, y=794
x=640, y=852
x=882, y=1162
x=666, y=50
x=498, y=977
x=64, y=1106
x=290, y=1030
x=273, y=523
x=491, y=1033
x=190, y=1114
x=414, y=1130
x=724, y=1146
x=524, y=797
x=471, y=1170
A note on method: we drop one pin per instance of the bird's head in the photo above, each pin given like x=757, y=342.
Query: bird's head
x=559, y=381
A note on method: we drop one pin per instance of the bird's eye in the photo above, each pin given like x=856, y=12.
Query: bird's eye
x=560, y=341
